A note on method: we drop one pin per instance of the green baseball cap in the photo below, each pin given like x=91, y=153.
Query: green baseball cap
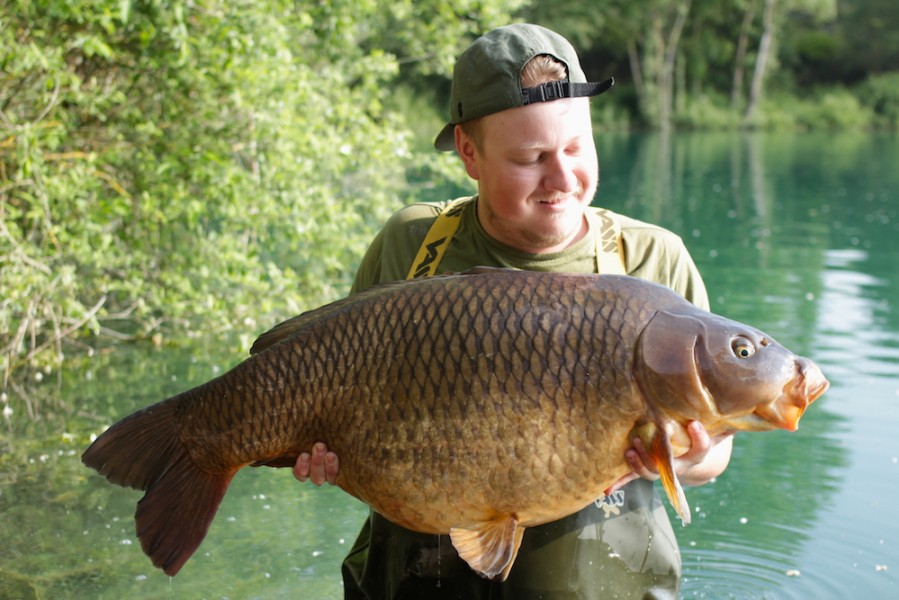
x=487, y=76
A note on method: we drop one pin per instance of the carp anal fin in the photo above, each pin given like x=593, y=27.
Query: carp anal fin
x=490, y=548
x=660, y=451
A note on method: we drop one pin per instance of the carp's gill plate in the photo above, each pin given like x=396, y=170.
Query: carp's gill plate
x=473, y=404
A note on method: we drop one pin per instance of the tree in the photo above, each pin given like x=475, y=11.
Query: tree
x=869, y=33
x=820, y=10
x=652, y=58
x=167, y=167
x=761, y=61
x=736, y=92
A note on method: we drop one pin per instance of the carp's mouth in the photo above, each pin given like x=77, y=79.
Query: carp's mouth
x=806, y=386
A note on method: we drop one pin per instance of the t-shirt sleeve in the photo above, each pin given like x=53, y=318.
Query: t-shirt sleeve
x=390, y=254
x=658, y=255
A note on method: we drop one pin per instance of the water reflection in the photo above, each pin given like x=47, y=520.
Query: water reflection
x=798, y=236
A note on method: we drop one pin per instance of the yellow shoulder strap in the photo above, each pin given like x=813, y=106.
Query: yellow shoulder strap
x=609, y=251
x=437, y=239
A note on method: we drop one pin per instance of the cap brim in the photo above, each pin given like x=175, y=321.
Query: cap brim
x=446, y=139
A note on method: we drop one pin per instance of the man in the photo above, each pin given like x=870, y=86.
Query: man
x=520, y=121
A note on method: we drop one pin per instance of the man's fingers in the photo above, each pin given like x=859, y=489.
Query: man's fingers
x=317, y=464
x=332, y=466
x=301, y=467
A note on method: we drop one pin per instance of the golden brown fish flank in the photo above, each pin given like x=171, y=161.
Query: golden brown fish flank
x=522, y=389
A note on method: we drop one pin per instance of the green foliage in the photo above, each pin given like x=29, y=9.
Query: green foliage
x=609, y=116
x=708, y=111
x=881, y=94
x=834, y=109
x=868, y=30
x=427, y=35
x=830, y=108
x=827, y=108
x=168, y=167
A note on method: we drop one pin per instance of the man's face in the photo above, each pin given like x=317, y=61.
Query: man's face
x=537, y=171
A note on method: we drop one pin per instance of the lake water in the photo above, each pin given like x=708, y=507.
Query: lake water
x=797, y=235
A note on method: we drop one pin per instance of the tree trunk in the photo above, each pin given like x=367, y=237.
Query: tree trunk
x=654, y=71
x=736, y=90
x=667, y=75
x=633, y=56
x=761, y=60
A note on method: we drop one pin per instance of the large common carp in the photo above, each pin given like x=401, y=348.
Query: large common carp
x=476, y=405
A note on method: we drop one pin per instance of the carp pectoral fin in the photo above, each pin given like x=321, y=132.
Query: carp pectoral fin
x=490, y=548
x=660, y=450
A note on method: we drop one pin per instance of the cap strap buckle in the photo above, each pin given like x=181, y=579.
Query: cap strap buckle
x=554, y=90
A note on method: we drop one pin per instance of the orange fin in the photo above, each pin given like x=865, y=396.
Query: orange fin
x=144, y=451
x=491, y=547
x=660, y=451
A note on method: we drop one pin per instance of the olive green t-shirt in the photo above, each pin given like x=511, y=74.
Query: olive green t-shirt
x=650, y=252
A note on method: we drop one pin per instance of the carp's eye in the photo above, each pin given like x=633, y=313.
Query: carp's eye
x=742, y=347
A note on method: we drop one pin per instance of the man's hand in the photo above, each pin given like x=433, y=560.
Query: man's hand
x=318, y=467
x=707, y=458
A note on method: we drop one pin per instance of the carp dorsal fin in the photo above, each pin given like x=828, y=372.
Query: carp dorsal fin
x=294, y=325
x=489, y=548
x=655, y=439
x=481, y=270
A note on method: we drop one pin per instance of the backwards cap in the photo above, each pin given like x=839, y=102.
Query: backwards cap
x=487, y=76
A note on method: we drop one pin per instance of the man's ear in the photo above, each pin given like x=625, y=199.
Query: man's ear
x=467, y=151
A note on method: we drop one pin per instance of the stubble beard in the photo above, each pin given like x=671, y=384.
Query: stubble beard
x=556, y=229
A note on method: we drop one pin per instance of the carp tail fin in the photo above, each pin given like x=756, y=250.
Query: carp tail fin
x=174, y=515
x=144, y=451
x=491, y=547
x=139, y=449
x=662, y=454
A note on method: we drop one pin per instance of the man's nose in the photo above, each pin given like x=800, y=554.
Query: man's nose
x=559, y=175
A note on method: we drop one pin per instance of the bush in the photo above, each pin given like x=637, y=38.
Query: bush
x=168, y=167
x=830, y=108
x=881, y=94
x=164, y=155
x=833, y=109
x=710, y=112
x=609, y=115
